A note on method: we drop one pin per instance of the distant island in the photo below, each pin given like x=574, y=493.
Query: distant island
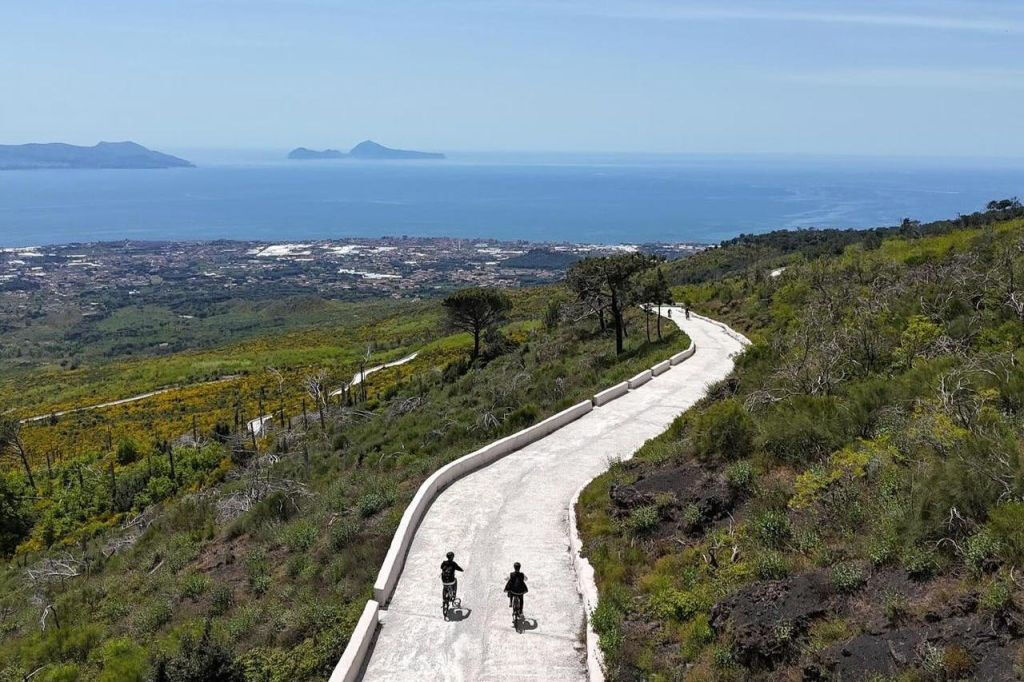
x=103, y=155
x=364, y=150
x=303, y=154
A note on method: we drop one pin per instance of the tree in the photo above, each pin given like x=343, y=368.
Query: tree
x=475, y=310
x=15, y=522
x=662, y=295
x=10, y=442
x=612, y=279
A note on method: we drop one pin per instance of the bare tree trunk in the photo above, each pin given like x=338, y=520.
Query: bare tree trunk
x=659, y=322
x=170, y=458
x=24, y=461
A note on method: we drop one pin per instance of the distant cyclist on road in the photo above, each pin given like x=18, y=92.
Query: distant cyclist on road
x=515, y=588
x=449, y=584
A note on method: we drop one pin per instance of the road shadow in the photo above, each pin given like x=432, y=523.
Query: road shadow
x=526, y=625
x=458, y=614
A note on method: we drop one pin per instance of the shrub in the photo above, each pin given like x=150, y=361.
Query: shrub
x=724, y=429
x=1006, y=522
x=771, y=528
x=607, y=622
x=127, y=452
x=220, y=600
x=343, y=532
x=194, y=585
x=740, y=476
x=691, y=517
x=122, y=661
x=771, y=566
x=981, y=551
x=300, y=536
x=998, y=596
x=894, y=606
x=918, y=562
x=847, y=577
x=257, y=568
x=642, y=520
x=154, y=616
x=199, y=660
x=375, y=500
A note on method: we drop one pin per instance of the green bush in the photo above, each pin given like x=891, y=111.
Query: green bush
x=771, y=528
x=194, y=585
x=607, y=622
x=981, y=551
x=153, y=616
x=919, y=562
x=770, y=566
x=220, y=600
x=127, y=452
x=300, y=536
x=642, y=520
x=343, y=532
x=997, y=595
x=724, y=429
x=1006, y=523
x=847, y=577
x=375, y=500
x=740, y=476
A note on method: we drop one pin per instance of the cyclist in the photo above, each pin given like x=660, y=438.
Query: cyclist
x=449, y=584
x=515, y=587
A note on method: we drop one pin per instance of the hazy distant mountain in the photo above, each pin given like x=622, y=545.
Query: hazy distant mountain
x=102, y=155
x=371, y=150
x=303, y=154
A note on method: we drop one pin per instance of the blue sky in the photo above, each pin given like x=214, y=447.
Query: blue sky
x=894, y=77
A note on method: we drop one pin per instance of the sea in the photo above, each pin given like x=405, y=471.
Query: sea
x=593, y=198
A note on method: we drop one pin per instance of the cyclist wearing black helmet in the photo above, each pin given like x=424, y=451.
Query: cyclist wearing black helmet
x=515, y=588
x=449, y=584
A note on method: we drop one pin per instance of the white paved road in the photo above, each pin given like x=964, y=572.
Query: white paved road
x=517, y=510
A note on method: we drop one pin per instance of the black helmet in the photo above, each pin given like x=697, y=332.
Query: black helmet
x=516, y=565
x=450, y=555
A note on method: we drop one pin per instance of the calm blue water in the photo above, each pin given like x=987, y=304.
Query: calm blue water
x=545, y=198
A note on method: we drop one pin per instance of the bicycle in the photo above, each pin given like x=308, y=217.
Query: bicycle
x=517, y=610
x=448, y=599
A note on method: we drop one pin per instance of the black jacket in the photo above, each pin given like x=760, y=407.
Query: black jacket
x=516, y=583
x=448, y=569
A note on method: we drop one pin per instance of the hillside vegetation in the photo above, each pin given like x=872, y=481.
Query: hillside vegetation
x=167, y=552
x=849, y=503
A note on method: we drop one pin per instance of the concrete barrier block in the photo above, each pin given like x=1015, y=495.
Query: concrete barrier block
x=640, y=379
x=610, y=394
x=351, y=662
x=661, y=367
x=682, y=355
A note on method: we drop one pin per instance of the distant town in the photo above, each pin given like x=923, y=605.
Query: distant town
x=106, y=275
